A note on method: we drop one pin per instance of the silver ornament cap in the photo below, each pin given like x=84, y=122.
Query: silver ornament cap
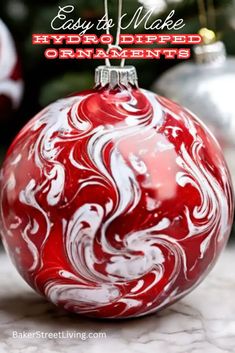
x=214, y=53
x=116, y=76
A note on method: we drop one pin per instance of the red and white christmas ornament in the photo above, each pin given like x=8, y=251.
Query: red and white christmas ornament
x=11, y=84
x=124, y=203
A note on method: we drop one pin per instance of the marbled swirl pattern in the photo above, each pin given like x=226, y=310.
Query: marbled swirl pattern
x=115, y=203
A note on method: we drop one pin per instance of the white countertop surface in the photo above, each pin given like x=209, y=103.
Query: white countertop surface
x=203, y=322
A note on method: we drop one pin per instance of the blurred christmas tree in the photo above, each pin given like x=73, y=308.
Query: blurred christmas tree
x=48, y=80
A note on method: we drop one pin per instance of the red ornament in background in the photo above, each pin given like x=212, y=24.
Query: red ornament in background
x=115, y=202
x=11, y=85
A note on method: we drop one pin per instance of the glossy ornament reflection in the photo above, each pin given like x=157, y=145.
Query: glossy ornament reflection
x=115, y=202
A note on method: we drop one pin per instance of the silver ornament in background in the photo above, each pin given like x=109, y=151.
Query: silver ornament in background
x=206, y=86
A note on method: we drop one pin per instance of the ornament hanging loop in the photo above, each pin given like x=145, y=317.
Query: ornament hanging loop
x=202, y=13
x=207, y=19
x=116, y=45
x=118, y=48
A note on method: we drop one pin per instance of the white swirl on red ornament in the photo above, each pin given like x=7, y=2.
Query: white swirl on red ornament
x=120, y=262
